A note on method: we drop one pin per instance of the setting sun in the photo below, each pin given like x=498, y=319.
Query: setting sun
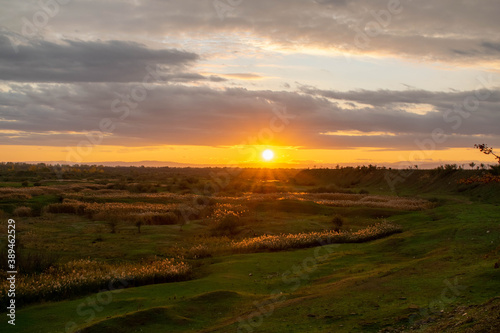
x=267, y=155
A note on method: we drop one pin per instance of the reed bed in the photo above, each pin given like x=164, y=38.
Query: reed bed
x=341, y=200
x=283, y=242
x=329, y=199
x=122, y=194
x=87, y=276
x=93, y=208
x=380, y=202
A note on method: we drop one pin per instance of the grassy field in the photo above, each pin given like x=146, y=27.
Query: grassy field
x=434, y=274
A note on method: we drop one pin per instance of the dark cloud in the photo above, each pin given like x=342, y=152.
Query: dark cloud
x=385, y=97
x=447, y=30
x=80, y=77
x=331, y=2
x=173, y=114
x=80, y=61
x=491, y=46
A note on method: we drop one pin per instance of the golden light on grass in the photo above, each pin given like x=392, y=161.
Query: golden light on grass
x=267, y=155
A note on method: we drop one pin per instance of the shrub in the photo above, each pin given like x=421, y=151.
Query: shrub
x=187, y=212
x=163, y=219
x=34, y=263
x=22, y=211
x=66, y=208
x=112, y=225
x=363, y=191
x=337, y=222
x=226, y=226
x=205, y=201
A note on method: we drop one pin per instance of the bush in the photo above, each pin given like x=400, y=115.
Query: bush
x=66, y=208
x=494, y=170
x=163, y=219
x=28, y=262
x=149, y=218
x=226, y=226
x=35, y=263
x=112, y=225
x=337, y=222
x=329, y=189
x=205, y=201
x=187, y=212
x=22, y=211
x=363, y=192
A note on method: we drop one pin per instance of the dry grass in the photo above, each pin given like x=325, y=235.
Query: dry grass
x=93, y=208
x=22, y=211
x=330, y=199
x=87, y=276
x=377, y=201
x=212, y=246
x=341, y=200
x=122, y=194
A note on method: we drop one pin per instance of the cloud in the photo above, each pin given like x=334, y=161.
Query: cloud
x=169, y=114
x=243, y=76
x=459, y=32
x=81, y=69
x=83, y=61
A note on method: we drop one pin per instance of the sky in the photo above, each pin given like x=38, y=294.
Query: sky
x=216, y=82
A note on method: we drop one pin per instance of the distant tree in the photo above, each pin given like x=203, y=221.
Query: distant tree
x=337, y=222
x=113, y=223
x=138, y=223
x=472, y=165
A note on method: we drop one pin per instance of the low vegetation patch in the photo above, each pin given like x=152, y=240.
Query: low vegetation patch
x=87, y=276
x=291, y=241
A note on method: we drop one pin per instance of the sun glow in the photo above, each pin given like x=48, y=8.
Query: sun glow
x=267, y=155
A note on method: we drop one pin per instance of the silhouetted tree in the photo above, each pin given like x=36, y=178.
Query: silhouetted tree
x=487, y=150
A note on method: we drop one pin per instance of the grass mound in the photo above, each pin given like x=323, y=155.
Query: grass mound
x=132, y=322
x=187, y=312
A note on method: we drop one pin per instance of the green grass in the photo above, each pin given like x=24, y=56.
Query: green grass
x=73, y=236
x=36, y=203
x=355, y=288
x=367, y=287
